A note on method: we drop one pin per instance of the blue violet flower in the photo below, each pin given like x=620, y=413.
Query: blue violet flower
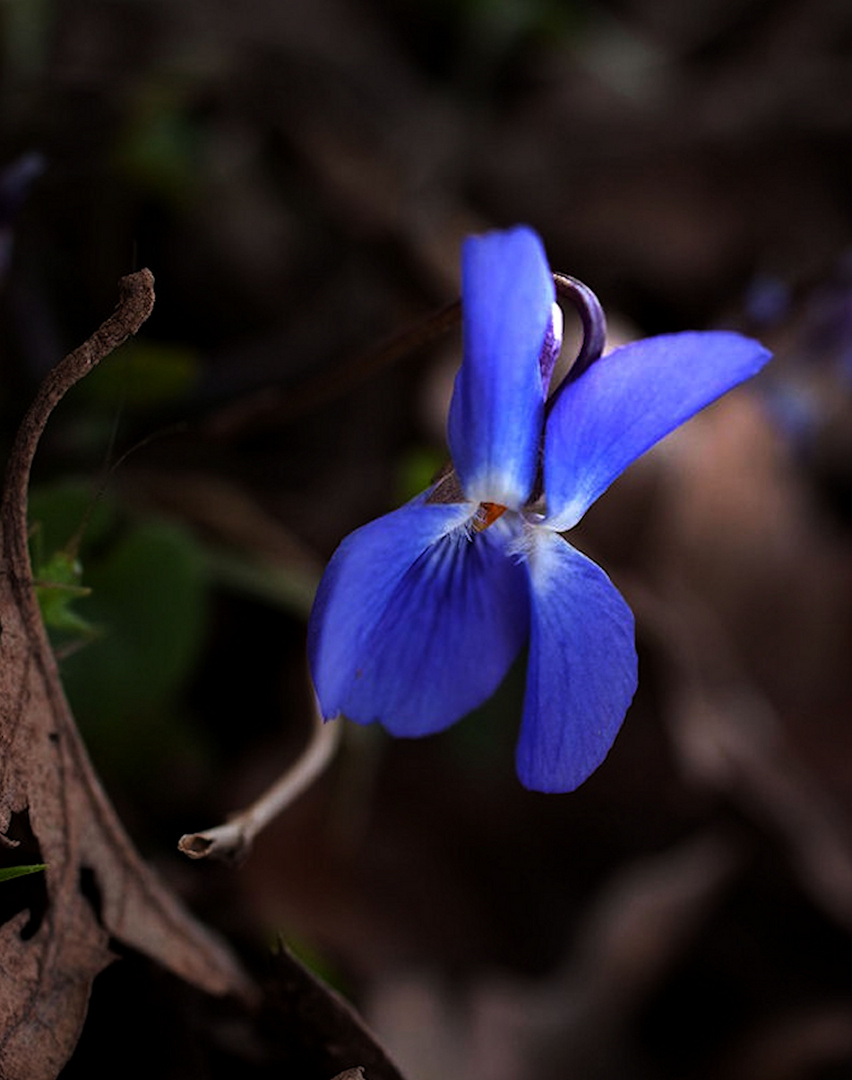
x=421, y=613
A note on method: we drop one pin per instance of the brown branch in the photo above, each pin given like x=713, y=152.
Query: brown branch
x=135, y=303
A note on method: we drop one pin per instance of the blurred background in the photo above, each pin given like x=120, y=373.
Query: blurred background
x=299, y=177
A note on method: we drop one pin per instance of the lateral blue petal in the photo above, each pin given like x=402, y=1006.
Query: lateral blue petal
x=582, y=671
x=497, y=410
x=628, y=401
x=416, y=620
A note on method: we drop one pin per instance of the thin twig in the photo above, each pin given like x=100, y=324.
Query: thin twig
x=277, y=405
x=232, y=841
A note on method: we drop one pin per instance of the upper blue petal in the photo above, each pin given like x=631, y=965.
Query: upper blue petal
x=416, y=620
x=582, y=670
x=629, y=400
x=497, y=410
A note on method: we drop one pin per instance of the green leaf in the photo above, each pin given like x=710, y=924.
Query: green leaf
x=144, y=598
x=416, y=471
x=161, y=147
x=149, y=595
x=59, y=512
x=146, y=373
x=9, y=872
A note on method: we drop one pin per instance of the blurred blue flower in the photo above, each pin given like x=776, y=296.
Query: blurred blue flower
x=420, y=613
x=15, y=183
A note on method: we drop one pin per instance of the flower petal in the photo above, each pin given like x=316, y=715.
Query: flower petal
x=628, y=401
x=582, y=671
x=417, y=620
x=497, y=410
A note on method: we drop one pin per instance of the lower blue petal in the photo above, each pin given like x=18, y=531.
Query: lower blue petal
x=416, y=620
x=582, y=671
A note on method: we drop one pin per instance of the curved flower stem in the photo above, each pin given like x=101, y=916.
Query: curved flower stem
x=232, y=841
x=588, y=307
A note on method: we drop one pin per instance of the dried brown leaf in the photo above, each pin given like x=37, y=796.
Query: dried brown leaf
x=320, y=1027
x=98, y=888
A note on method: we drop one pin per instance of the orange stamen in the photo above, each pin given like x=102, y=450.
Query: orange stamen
x=486, y=514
